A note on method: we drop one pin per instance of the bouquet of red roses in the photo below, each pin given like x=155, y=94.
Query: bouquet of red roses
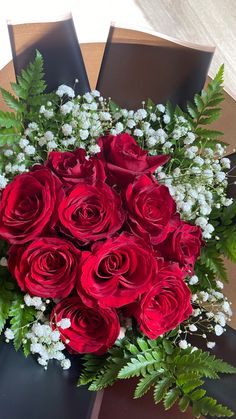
x=114, y=225
x=103, y=237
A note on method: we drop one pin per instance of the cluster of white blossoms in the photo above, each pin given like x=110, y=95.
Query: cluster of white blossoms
x=41, y=338
x=46, y=342
x=201, y=187
x=212, y=310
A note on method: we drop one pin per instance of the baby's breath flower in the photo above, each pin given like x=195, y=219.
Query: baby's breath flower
x=65, y=90
x=183, y=344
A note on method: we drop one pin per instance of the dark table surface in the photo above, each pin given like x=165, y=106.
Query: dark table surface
x=27, y=391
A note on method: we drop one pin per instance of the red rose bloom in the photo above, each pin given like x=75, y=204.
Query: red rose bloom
x=116, y=272
x=28, y=204
x=125, y=160
x=183, y=245
x=47, y=268
x=91, y=212
x=73, y=167
x=165, y=305
x=92, y=330
x=151, y=209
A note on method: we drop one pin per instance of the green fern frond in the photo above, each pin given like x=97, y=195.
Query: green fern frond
x=6, y=297
x=206, y=109
x=21, y=317
x=211, y=259
x=209, y=406
x=9, y=120
x=141, y=365
x=145, y=383
x=171, y=397
x=12, y=101
x=161, y=388
x=30, y=82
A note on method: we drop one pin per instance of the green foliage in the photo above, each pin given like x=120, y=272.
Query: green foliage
x=9, y=120
x=211, y=264
x=21, y=317
x=30, y=82
x=205, y=109
x=225, y=229
x=12, y=101
x=29, y=89
x=176, y=375
x=6, y=298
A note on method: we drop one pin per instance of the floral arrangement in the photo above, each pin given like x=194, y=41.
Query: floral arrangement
x=114, y=224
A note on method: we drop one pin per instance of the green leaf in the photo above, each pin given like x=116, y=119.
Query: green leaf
x=198, y=394
x=192, y=110
x=206, y=109
x=171, y=397
x=8, y=136
x=6, y=297
x=113, y=106
x=184, y=403
x=191, y=385
x=150, y=104
x=207, y=133
x=161, y=388
x=26, y=348
x=209, y=406
x=106, y=377
x=168, y=346
x=9, y=120
x=12, y=101
x=21, y=317
x=199, y=102
x=141, y=365
x=142, y=344
x=229, y=213
x=30, y=82
x=145, y=383
x=213, y=261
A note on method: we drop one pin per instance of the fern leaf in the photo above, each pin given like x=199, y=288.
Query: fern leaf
x=12, y=101
x=184, y=403
x=145, y=383
x=207, y=133
x=209, y=406
x=9, y=120
x=171, y=397
x=6, y=297
x=140, y=365
x=229, y=213
x=212, y=260
x=8, y=136
x=21, y=317
x=30, y=82
x=106, y=377
x=142, y=344
x=191, y=385
x=161, y=388
x=221, y=366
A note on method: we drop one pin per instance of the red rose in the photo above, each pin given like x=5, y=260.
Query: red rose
x=28, y=204
x=73, y=167
x=117, y=271
x=91, y=212
x=165, y=305
x=183, y=245
x=91, y=331
x=125, y=159
x=46, y=268
x=151, y=209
